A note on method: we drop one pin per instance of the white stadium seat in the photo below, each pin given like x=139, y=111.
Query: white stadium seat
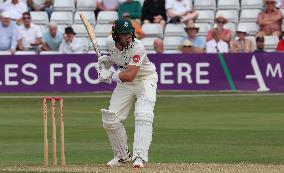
x=101, y=41
x=103, y=30
x=231, y=15
x=172, y=43
x=231, y=26
x=251, y=27
x=25, y=53
x=205, y=4
x=49, y=53
x=270, y=42
x=43, y=28
x=249, y=15
x=85, y=42
x=5, y=53
x=152, y=30
x=203, y=28
x=80, y=30
x=86, y=5
x=176, y=51
x=90, y=15
x=61, y=28
x=62, y=17
x=252, y=4
x=174, y=30
x=148, y=42
x=39, y=17
x=107, y=17
x=64, y=5
x=229, y=4
x=205, y=16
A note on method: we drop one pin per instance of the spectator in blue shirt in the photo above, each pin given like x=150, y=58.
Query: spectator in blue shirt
x=191, y=34
x=52, y=39
x=8, y=33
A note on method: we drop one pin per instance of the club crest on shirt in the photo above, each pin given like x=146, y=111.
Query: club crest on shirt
x=136, y=58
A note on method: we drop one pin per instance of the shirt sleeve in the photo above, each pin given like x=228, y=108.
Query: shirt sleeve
x=137, y=55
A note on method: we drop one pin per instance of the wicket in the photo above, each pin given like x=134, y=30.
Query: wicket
x=45, y=133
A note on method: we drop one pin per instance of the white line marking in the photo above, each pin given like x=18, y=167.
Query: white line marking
x=159, y=96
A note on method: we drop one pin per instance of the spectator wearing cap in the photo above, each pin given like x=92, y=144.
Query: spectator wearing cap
x=217, y=45
x=8, y=33
x=226, y=34
x=259, y=44
x=30, y=35
x=40, y=5
x=270, y=19
x=153, y=11
x=187, y=47
x=197, y=42
x=52, y=39
x=158, y=45
x=180, y=11
x=16, y=8
x=71, y=44
x=242, y=44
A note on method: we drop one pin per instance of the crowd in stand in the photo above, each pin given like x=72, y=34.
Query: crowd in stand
x=19, y=33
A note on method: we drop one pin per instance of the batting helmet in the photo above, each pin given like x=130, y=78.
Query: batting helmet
x=122, y=26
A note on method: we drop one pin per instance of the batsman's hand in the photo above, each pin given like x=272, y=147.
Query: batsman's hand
x=105, y=75
x=104, y=61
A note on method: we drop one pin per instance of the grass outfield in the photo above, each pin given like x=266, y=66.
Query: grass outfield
x=206, y=128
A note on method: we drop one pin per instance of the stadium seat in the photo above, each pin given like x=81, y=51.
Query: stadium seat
x=43, y=28
x=85, y=42
x=103, y=30
x=49, y=52
x=249, y=15
x=62, y=17
x=231, y=26
x=203, y=28
x=251, y=27
x=80, y=30
x=107, y=17
x=231, y=15
x=25, y=53
x=90, y=15
x=101, y=41
x=86, y=5
x=205, y=16
x=152, y=30
x=39, y=17
x=172, y=43
x=228, y=4
x=174, y=30
x=64, y=5
x=5, y=53
x=61, y=28
x=148, y=43
x=176, y=51
x=205, y=5
x=270, y=42
x=252, y=4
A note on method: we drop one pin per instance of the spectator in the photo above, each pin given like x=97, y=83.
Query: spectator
x=280, y=45
x=187, y=47
x=158, y=45
x=197, y=42
x=270, y=19
x=8, y=33
x=153, y=11
x=217, y=45
x=16, y=8
x=106, y=5
x=226, y=34
x=138, y=30
x=52, y=39
x=242, y=44
x=30, y=34
x=40, y=5
x=130, y=8
x=71, y=44
x=180, y=11
x=259, y=44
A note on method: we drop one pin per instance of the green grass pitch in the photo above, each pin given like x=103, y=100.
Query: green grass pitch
x=207, y=128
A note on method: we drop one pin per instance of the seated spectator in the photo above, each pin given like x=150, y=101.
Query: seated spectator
x=30, y=34
x=106, y=5
x=130, y=8
x=270, y=19
x=217, y=45
x=259, y=44
x=280, y=45
x=71, y=44
x=242, y=44
x=153, y=11
x=197, y=42
x=8, y=33
x=180, y=11
x=138, y=30
x=40, y=5
x=158, y=45
x=16, y=8
x=187, y=47
x=226, y=34
x=52, y=39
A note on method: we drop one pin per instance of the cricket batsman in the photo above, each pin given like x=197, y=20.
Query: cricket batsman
x=136, y=80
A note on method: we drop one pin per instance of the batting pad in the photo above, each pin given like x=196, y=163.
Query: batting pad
x=116, y=134
x=143, y=128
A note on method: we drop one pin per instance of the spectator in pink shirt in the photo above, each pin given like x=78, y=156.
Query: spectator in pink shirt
x=270, y=19
x=226, y=34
